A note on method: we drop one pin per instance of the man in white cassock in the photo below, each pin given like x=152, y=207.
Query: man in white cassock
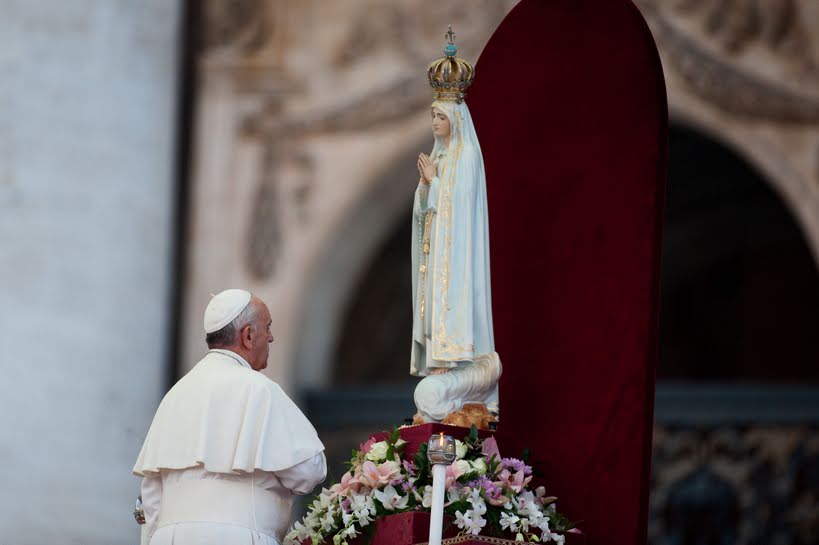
x=227, y=449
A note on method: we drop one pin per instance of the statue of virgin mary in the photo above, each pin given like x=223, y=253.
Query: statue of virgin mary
x=452, y=339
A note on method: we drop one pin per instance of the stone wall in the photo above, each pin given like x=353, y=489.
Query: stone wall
x=87, y=113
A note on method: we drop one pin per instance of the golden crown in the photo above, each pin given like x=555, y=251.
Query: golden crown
x=450, y=76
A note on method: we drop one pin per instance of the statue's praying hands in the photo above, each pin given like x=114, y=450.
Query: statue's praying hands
x=426, y=168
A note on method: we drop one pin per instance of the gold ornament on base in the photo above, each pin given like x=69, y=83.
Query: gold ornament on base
x=470, y=414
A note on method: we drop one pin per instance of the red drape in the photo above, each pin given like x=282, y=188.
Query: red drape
x=570, y=108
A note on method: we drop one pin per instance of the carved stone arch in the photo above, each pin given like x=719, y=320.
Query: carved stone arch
x=334, y=278
x=798, y=193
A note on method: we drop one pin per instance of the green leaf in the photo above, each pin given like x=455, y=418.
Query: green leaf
x=461, y=505
x=422, y=468
x=493, y=464
x=560, y=523
x=493, y=520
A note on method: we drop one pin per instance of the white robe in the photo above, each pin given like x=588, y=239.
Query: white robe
x=225, y=454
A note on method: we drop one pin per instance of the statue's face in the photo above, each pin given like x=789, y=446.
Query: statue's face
x=440, y=123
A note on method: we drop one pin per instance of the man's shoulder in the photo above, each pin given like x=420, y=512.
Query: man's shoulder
x=214, y=371
x=256, y=378
x=236, y=374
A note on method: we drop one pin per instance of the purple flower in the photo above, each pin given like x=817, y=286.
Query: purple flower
x=406, y=487
x=345, y=505
x=480, y=482
x=491, y=490
x=515, y=465
x=409, y=467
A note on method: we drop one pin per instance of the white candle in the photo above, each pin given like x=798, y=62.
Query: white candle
x=441, y=452
x=436, y=519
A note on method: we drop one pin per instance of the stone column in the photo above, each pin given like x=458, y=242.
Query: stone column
x=87, y=139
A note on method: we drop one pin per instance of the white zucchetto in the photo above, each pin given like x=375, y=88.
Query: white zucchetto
x=224, y=308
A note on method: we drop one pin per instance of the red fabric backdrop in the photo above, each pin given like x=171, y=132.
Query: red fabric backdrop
x=570, y=108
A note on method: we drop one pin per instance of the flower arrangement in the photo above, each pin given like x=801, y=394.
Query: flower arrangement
x=486, y=494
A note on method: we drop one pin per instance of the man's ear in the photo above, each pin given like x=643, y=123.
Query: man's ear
x=247, y=336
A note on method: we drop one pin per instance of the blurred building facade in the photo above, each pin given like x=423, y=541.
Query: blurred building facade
x=305, y=123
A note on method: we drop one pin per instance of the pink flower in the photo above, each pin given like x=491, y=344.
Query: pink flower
x=490, y=447
x=517, y=481
x=348, y=483
x=450, y=478
x=498, y=501
x=365, y=447
x=376, y=476
x=454, y=471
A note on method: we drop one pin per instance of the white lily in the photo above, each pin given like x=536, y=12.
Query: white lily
x=478, y=522
x=391, y=499
x=363, y=508
x=327, y=522
x=477, y=502
x=427, y=501
x=509, y=521
x=462, y=520
x=557, y=538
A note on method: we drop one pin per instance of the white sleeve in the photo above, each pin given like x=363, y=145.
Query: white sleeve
x=419, y=205
x=302, y=478
x=151, y=500
x=426, y=197
x=432, y=194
